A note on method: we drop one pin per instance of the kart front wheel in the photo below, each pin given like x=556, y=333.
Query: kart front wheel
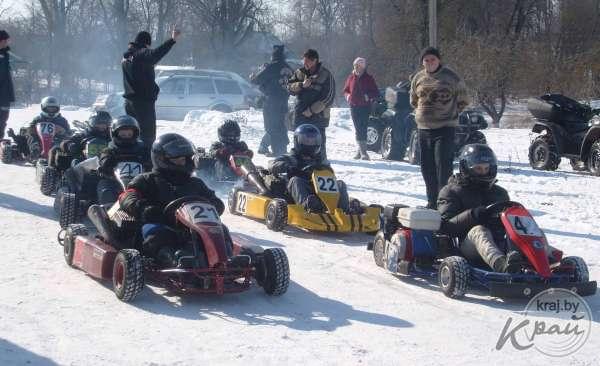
x=128, y=274
x=580, y=268
x=68, y=208
x=72, y=232
x=453, y=276
x=276, y=272
x=48, y=180
x=276, y=214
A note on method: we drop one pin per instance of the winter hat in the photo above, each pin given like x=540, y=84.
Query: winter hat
x=360, y=60
x=430, y=51
x=311, y=54
x=277, y=52
x=4, y=35
x=143, y=38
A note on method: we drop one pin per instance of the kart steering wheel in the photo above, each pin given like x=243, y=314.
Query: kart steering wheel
x=169, y=210
x=495, y=209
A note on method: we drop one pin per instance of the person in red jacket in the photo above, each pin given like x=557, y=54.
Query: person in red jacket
x=360, y=90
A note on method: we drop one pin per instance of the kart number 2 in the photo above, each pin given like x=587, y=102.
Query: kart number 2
x=327, y=184
x=525, y=225
x=203, y=213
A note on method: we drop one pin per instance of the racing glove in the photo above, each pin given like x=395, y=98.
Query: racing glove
x=480, y=215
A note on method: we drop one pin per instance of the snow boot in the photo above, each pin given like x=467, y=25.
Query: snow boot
x=510, y=263
x=362, y=145
x=312, y=203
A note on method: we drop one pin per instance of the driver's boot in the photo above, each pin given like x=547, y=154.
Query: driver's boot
x=510, y=263
x=362, y=145
x=165, y=257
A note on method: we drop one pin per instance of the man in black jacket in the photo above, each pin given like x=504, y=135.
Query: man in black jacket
x=314, y=88
x=7, y=92
x=272, y=80
x=462, y=204
x=148, y=194
x=141, y=90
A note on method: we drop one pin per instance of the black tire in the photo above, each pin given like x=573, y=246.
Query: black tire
x=374, y=133
x=413, y=154
x=578, y=165
x=232, y=201
x=453, y=276
x=543, y=153
x=391, y=149
x=68, y=209
x=580, y=268
x=276, y=218
x=277, y=272
x=379, y=249
x=128, y=274
x=49, y=181
x=72, y=231
x=7, y=156
x=594, y=159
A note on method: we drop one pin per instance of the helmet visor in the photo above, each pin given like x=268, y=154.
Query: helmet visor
x=480, y=170
x=231, y=138
x=51, y=109
x=178, y=148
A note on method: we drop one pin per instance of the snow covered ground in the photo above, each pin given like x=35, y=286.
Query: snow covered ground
x=340, y=308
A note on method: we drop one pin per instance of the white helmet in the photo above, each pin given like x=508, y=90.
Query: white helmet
x=50, y=107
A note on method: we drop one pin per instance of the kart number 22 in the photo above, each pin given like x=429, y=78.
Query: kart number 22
x=327, y=184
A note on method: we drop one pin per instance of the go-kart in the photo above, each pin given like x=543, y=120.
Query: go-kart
x=215, y=264
x=213, y=171
x=409, y=244
x=78, y=189
x=19, y=151
x=265, y=197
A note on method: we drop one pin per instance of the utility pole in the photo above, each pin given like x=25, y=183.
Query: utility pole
x=433, y=23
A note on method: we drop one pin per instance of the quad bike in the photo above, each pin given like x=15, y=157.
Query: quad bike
x=216, y=264
x=264, y=197
x=410, y=245
x=79, y=188
x=565, y=128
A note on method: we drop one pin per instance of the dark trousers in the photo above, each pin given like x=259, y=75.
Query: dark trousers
x=274, y=112
x=4, y=112
x=437, y=155
x=108, y=191
x=360, y=118
x=300, y=188
x=145, y=114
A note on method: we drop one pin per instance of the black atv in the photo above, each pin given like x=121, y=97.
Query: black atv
x=567, y=129
x=393, y=131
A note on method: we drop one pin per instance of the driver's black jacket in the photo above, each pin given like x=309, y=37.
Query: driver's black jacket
x=113, y=154
x=457, y=200
x=294, y=165
x=157, y=189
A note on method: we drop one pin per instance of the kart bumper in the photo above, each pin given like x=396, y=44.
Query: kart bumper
x=338, y=221
x=526, y=290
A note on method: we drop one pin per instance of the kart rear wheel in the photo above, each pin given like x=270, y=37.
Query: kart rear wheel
x=453, y=276
x=68, y=208
x=379, y=249
x=390, y=148
x=580, y=268
x=6, y=152
x=128, y=274
x=594, y=159
x=413, y=154
x=276, y=218
x=232, y=201
x=277, y=272
x=49, y=180
x=543, y=153
x=72, y=231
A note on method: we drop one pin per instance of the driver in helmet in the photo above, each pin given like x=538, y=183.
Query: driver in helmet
x=149, y=193
x=299, y=164
x=462, y=204
x=50, y=114
x=125, y=145
x=98, y=126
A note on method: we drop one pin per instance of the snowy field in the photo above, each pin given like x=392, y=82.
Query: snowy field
x=340, y=309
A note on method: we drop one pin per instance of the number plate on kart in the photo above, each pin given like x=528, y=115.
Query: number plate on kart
x=128, y=169
x=525, y=225
x=241, y=203
x=201, y=213
x=46, y=128
x=327, y=184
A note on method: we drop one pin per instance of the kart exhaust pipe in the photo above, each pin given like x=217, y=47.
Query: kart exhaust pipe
x=254, y=178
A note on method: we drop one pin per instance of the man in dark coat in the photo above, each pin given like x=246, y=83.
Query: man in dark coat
x=7, y=92
x=272, y=80
x=314, y=87
x=141, y=90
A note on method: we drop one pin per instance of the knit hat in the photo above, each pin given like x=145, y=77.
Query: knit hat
x=430, y=51
x=4, y=35
x=311, y=54
x=360, y=60
x=143, y=38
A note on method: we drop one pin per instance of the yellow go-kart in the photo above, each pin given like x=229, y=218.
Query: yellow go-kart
x=265, y=197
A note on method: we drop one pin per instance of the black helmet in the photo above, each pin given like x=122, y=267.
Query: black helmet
x=171, y=146
x=307, y=141
x=50, y=107
x=99, y=124
x=478, y=163
x=123, y=122
x=229, y=132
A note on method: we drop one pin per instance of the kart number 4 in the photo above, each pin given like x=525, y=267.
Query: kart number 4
x=525, y=225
